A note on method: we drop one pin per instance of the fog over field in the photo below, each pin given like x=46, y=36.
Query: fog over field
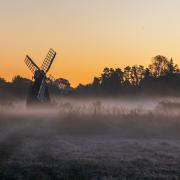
x=91, y=139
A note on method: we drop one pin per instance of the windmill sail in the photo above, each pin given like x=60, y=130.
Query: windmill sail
x=31, y=64
x=48, y=60
x=39, y=91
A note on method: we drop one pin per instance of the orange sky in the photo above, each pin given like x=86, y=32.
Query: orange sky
x=87, y=35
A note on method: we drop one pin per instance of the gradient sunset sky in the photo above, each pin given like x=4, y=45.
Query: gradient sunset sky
x=87, y=35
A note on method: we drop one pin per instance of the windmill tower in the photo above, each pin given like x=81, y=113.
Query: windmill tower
x=39, y=93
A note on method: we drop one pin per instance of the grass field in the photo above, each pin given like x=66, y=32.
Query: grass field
x=96, y=142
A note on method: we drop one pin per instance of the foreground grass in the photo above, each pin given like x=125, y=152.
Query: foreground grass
x=73, y=145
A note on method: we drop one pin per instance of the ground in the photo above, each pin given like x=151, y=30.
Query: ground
x=75, y=146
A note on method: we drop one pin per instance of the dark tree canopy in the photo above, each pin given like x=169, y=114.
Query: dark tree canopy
x=161, y=77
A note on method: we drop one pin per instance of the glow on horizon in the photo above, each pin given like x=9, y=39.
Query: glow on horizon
x=88, y=35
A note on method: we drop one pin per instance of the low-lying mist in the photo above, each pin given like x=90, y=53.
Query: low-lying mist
x=135, y=118
x=92, y=139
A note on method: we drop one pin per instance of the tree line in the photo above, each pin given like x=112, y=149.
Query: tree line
x=161, y=77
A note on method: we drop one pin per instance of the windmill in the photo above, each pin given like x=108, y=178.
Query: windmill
x=39, y=93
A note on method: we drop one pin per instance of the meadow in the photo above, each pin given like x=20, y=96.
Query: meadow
x=89, y=139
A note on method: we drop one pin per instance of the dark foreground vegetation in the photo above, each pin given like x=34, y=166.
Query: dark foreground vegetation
x=161, y=77
x=90, y=144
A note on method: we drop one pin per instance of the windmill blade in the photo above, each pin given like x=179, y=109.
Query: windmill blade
x=48, y=60
x=31, y=64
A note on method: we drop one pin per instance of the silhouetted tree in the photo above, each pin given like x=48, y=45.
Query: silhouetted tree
x=159, y=66
x=137, y=74
x=127, y=76
x=2, y=81
x=171, y=67
x=116, y=79
x=20, y=86
x=111, y=80
x=96, y=85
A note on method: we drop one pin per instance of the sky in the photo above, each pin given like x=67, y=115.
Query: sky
x=87, y=35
